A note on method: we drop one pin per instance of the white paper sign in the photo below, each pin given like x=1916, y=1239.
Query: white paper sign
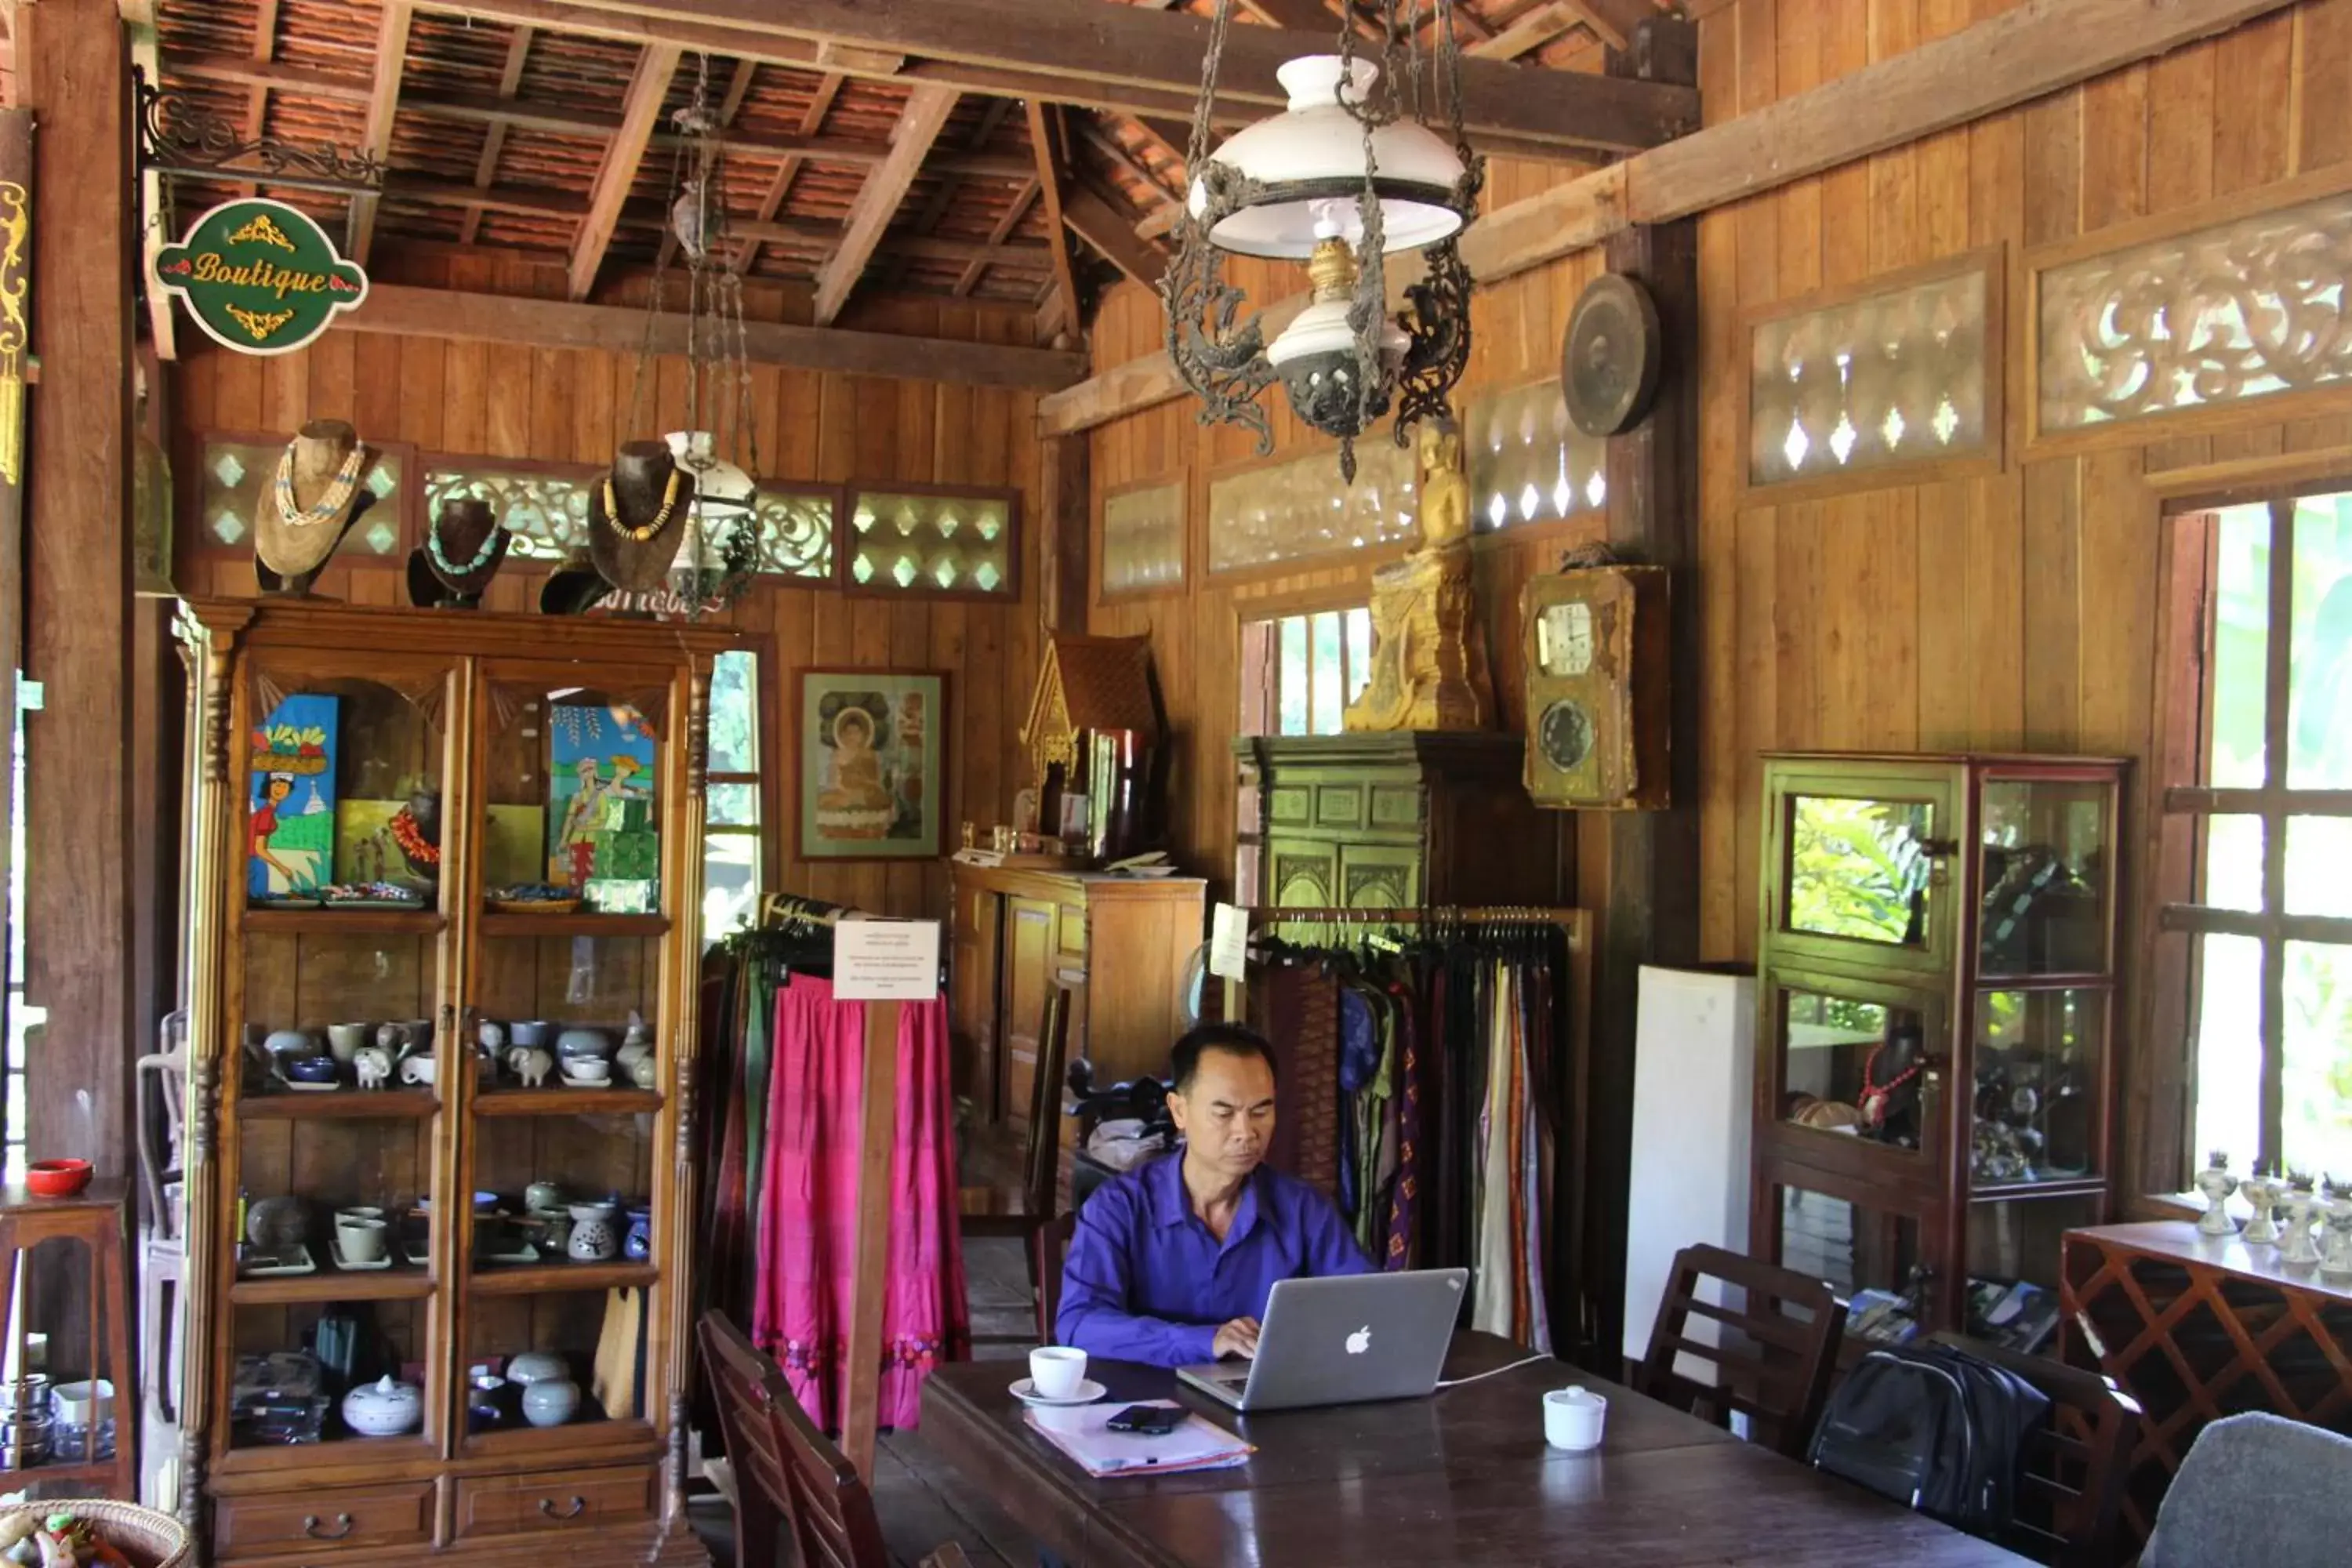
x=1228, y=943
x=886, y=961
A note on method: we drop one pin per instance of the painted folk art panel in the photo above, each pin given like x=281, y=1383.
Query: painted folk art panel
x=603, y=838
x=872, y=765
x=290, y=828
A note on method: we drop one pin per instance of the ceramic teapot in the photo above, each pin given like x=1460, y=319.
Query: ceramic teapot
x=384, y=1408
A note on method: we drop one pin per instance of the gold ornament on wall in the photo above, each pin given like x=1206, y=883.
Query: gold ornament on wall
x=1429, y=657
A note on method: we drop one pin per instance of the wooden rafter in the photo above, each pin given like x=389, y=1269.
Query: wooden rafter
x=1120, y=57
x=640, y=112
x=943, y=193
x=1022, y=200
x=1097, y=220
x=1045, y=148
x=494, y=139
x=265, y=49
x=828, y=88
x=731, y=104
x=1532, y=31
x=384, y=104
x=1612, y=21
x=919, y=124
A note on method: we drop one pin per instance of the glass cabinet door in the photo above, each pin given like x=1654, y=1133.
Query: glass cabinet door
x=2037, y=1068
x=1879, y=1259
x=573, y=777
x=1856, y=1067
x=1863, y=862
x=2045, y=869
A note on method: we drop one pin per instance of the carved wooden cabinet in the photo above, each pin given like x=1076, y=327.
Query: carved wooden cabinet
x=568, y=752
x=1392, y=821
x=1122, y=943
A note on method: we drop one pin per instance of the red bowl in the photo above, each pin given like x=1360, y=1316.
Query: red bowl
x=57, y=1178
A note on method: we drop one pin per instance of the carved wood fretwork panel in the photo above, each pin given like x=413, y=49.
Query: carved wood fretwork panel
x=2247, y=308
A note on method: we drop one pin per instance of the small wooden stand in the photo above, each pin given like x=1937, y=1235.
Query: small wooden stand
x=93, y=1218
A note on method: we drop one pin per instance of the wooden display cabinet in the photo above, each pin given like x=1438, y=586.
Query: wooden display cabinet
x=1936, y=1021
x=574, y=746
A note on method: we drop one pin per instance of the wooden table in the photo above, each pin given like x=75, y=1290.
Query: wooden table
x=1463, y=1478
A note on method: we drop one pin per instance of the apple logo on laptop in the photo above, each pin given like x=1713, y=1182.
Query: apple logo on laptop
x=1360, y=1340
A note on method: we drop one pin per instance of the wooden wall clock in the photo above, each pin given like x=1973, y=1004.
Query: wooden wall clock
x=1596, y=654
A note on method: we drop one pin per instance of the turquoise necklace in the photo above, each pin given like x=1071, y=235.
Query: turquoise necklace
x=491, y=542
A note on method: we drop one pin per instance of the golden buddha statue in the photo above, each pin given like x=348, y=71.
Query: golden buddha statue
x=1429, y=662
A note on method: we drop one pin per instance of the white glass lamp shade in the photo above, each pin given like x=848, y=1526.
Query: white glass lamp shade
x=721, y=489
x=1309, y=160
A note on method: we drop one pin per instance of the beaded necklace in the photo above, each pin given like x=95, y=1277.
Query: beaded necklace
x=660, y=520
x=490, y=543
x=330, y=504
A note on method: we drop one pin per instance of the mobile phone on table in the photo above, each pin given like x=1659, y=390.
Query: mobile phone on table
x=1147, y=1420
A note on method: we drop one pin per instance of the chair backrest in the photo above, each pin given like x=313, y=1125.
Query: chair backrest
x=162, y=1086
x=2070, y=1491
x=2256, y=1491
x=1779, y=1378
x=1042, y=1169
x=778, y=1452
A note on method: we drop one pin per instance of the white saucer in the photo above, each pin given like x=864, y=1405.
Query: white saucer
x=1088, y=1391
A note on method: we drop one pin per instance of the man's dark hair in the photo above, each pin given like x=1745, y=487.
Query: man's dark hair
x=1184, y=1058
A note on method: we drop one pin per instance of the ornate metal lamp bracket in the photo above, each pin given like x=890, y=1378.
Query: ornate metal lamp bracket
x=180, y=137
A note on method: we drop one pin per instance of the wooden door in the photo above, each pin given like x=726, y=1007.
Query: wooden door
x=1028, y=971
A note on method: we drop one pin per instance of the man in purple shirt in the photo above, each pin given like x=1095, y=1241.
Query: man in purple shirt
x=1172, y=1264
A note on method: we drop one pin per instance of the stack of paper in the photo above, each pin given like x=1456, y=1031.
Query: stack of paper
x=1080, y=1431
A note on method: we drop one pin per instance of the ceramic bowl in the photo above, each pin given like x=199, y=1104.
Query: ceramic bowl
x=581, y=1045
x=529, y=1032
x=284, y=1043
x=551, y=1401
x=593, y=1209
x=78, y=1403
x=485, y=1202
x=384, y=1408
x=313, y=1070
x=587, y=1070
x=57, y=1178
x=540, y=1196
x=536, y=1366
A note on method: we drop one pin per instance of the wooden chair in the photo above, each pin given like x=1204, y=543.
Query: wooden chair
x=1027, y=1212
x=1779, y=1378
x=162, y=1088
x=2071, y=1495
x=787, y=1475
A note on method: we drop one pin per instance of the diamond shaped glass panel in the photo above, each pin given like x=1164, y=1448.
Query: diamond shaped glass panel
x=379, y=537
x=927, y=543
x=228, y=527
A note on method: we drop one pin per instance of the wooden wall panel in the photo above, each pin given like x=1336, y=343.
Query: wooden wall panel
x=573, y=406
x=2014, y=610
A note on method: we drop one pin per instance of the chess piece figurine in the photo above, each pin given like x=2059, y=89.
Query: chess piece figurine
x=2263, y=1194
x=2216, y=1184
x=314, y=500
x=1429, y=657
x=464, y=547
x=2336, y=1262
x=2297, y=1244
x=636, y=515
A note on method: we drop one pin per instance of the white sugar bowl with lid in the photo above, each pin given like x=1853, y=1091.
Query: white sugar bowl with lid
x=384, y=1408
x=536, y=1366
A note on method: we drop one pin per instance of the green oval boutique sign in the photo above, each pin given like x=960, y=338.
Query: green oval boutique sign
x=260, y=277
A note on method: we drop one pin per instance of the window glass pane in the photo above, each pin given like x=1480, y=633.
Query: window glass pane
x=2233, y=864
x=1359, y=652
x=734, y=715
x=2319, y=866
x=732, y=806
x=1290, y=676
x=1328, y=675
x=730, y=883
x=2317, y=1058
x=2228, y=1045
x=2241, y=619
x=2319, y=683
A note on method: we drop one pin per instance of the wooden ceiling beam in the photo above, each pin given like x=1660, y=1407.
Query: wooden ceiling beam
x=1533, y=31
x=1002, y=233
x=943, y=193
x=1612, y=21
x=494, y=139
x=384, y=104
x=561, y=324
x=1100, y=53
x=1045, y=148
x=265, y=49
x=1094, y=220
x=780, y=186
x=919, y=124
x=640, y=112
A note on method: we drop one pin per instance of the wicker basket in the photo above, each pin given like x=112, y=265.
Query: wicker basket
x=149, y=1538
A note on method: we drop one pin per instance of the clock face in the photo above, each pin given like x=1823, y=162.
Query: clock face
x=1565, y=734
x=1564, y=638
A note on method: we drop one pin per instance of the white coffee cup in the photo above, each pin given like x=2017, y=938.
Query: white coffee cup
x=1573, y=1417
x=1055, y=1371
x=363, y=1240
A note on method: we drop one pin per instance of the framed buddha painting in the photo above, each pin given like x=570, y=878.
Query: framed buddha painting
x=872, y=765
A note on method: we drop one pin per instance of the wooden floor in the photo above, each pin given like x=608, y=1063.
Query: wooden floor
x=921, y=1502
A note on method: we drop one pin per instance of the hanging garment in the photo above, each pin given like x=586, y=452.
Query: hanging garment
x=1297, y=1006
x=802, y=1302
x=1497, y=1175
x=1402, y=1250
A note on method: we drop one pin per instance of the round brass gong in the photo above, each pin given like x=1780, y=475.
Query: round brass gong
x=1609, y=357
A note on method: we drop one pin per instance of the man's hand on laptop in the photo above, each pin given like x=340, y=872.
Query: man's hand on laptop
x=1238, y=1338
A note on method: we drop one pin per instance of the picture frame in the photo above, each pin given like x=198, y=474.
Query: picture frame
x=873, y=790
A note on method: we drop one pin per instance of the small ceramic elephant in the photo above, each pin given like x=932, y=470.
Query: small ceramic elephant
x=532, y=1064
x=372, y=1066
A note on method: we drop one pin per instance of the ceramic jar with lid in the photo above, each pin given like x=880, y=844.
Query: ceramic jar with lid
x=384, y=1408
x=551, y=1401
x=536, y=1366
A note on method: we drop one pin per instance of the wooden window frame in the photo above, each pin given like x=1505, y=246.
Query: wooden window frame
x=1985, y=460
x=1181, y=479
x=767, y=788
x=844, y=542
x=1257, y=624
x=2203, y=418
x=2173, y=920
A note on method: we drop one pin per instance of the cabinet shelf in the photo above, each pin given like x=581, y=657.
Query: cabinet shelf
x=343, y=1105
x=397, y=1283
x=566, y=1102
x=347, y=923
x=586, y=1430
x=548, y=1278
x=102, y=1470
x=497, y=923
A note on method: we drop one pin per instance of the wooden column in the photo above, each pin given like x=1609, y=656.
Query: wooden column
x=72, y=74
x=1639, y=871
x=869, y=1288
x=1065, y=502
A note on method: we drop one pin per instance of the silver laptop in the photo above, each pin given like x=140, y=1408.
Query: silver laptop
x=1344, y=1340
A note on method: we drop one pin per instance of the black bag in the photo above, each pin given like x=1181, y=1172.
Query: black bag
x=1936, y=1429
